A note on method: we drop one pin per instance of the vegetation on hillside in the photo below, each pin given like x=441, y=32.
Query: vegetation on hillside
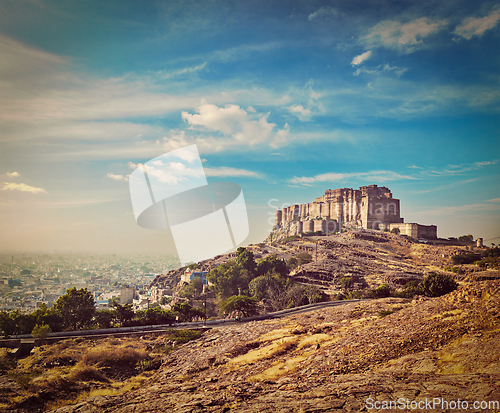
x=264, y=281
x=76, y=310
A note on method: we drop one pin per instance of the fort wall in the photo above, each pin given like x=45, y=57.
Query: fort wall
x=369, y=207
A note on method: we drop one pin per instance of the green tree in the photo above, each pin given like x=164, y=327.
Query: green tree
x=243, y=304
x=272, y=264
x=104, y=318
x=193, y=289
x=124, y=313
x=76, y=307
x=228, y=278
x=245, y=259
x=395, y=231
x=7, y=323
x=436, y=285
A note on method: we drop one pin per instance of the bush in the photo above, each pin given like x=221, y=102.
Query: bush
x=436, y=285
x=382, y=291
x=467, y=258
x=41, y=331
x=86, y=373
x=346, y=282
x=411, y=289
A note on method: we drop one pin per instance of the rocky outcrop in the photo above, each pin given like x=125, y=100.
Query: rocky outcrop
x=334, y=359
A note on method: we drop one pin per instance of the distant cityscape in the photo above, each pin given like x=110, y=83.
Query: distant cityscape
x=29, y=280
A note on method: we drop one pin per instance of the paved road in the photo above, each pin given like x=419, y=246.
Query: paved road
x=196, y=324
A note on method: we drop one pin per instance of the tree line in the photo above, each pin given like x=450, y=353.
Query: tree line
x=76, y=310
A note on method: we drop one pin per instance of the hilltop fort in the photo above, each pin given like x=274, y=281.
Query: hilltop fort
x=369, y=207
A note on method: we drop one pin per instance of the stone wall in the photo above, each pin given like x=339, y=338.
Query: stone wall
x=416, y=231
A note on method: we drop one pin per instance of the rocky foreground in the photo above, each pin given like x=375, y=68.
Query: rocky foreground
x=336, y=359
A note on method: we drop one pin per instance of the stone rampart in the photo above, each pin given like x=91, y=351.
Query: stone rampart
x=368, y=207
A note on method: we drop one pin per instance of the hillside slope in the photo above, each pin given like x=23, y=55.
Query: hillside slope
x=334, y=359
x=371, y=257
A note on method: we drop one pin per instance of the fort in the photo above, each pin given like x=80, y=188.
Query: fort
x=369, y=207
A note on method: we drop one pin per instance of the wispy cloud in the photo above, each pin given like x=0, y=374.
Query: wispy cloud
x=403, y=37
x=361, y=58
x=385, y=175
x=181, y=72
x=226, y=171
x=322, y=12
x=376, y=176
x=451, y=210
x=462, y=168
x=12, y=186
x=477, y=26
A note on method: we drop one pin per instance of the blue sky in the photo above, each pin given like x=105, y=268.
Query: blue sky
x=285, y=98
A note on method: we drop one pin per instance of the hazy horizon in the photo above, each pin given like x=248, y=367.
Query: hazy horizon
x=285, y=98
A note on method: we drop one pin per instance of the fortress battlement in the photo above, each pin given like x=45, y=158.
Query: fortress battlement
x=369, y=207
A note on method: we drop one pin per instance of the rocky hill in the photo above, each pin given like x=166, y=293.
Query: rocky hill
x=371, y=257
x=335, y=359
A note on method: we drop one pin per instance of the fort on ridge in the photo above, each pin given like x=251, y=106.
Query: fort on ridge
x=369, y=207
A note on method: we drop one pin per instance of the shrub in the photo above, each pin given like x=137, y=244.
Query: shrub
x=86, y=373
x=382, y=291
x=41, y=331
x=435, y=285
x=384, y=313
x=467, y=258
x=346, y=282
x=411, y=289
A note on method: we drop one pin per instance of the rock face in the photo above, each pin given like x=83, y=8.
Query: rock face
x=335, y=359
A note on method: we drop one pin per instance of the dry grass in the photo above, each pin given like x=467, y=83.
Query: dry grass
x=69, y=370
x=113, y=355
x=86, y=373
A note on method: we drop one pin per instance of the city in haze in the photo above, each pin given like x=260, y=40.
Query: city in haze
x=285, y=98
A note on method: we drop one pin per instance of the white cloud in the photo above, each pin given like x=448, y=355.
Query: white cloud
x=399, y=71
x=11, y=175
x=226, y=171
x=462, y=208
x=281, y=138
x=299, y=111
x=233, y=121
x=11, y=186
x=361, y=58
x=117, y=177
x=403, y=37
x=180, y=72
x=373, y=176
x=476, y=26
x=322, y=12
